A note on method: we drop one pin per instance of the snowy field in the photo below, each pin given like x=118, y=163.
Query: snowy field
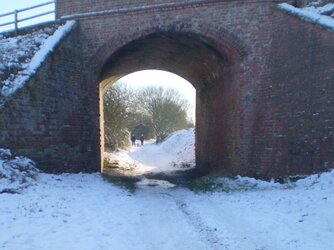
x=84, y=211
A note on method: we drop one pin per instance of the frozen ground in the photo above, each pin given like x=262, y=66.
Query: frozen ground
x=84, y=211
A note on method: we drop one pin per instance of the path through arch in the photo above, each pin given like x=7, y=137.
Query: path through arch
x=212, y=73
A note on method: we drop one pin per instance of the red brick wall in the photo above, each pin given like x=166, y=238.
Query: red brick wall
x=263, y=107
x=240, y=32
x=70, y=7
x=46, y=120
x=295, y=116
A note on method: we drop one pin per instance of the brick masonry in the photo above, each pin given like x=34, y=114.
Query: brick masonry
x=264, y=84
x=297, y=120
x=46, y=119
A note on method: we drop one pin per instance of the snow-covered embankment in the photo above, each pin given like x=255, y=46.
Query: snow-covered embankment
x=21, y=56
x=316, y=13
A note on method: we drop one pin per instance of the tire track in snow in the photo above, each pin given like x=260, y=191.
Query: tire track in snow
x=207, y=233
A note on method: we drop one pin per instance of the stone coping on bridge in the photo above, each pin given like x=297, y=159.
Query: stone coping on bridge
x=323, y=21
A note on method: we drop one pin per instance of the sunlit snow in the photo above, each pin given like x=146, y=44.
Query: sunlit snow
x=84, y=211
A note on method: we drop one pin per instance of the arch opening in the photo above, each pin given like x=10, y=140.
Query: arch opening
x=211, y=72
x=157, y=107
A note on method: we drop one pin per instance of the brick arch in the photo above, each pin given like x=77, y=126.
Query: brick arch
x=226, y=43
x=255, y=115
x=217, y=121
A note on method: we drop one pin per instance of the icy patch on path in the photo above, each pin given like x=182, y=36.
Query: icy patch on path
x=154, y=183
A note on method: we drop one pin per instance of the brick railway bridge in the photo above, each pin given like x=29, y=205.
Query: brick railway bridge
x=263, y=77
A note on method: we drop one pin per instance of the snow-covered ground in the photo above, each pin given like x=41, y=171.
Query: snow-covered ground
x=85, y=211
x=177, y=152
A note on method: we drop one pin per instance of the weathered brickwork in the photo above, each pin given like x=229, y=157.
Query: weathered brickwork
x=46, y=119
x=297, y=120
x=223, y=137
x=264, y=84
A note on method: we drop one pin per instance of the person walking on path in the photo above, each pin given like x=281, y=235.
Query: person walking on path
x=142, y=139
x=133, y=140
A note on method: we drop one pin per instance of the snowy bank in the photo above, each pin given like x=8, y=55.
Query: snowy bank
x=327, y=9
x=21, y=56
x=16, y=173
x=181, y=144
x=239, y=183
x=309, y=14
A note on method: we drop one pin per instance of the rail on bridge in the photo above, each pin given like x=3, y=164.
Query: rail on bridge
x=20, y=18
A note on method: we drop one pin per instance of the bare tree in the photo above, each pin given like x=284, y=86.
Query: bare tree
x=166, y=108
x=161, y=111
x=116, y=101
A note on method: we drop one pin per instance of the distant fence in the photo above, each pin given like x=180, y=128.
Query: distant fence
x=16, y=13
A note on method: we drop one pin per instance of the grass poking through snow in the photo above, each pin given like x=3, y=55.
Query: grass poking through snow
x=128, y=184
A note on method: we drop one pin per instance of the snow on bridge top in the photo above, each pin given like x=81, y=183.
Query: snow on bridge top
x=315, y=12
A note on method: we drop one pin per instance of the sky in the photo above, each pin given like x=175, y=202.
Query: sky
x=10, y=5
